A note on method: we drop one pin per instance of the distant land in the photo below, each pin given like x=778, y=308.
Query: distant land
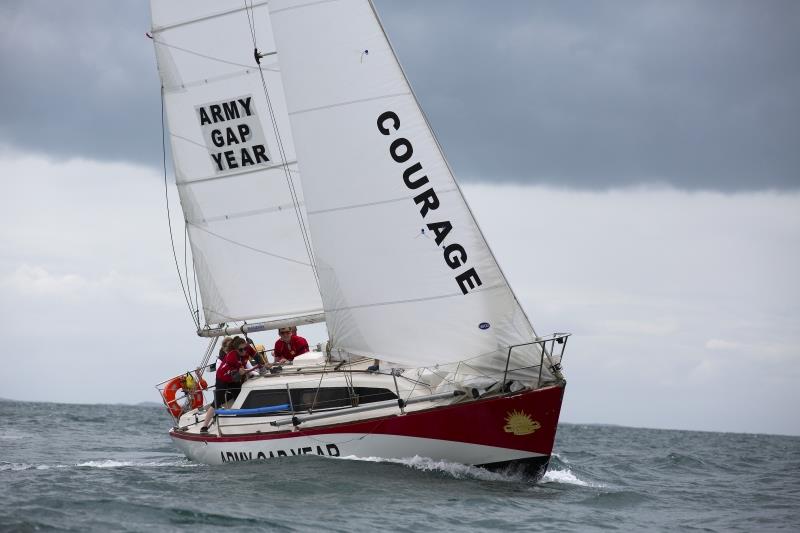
x=147, y=404
x=138, y=404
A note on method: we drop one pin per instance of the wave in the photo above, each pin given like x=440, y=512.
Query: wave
x=103, y=463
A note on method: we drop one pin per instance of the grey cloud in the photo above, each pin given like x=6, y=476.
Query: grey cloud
x=79, y=80
x=699, y=95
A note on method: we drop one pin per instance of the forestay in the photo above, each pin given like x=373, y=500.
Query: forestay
x=249, y=254
x=405, y=272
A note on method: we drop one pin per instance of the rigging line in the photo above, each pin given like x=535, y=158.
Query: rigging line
x=209, y=350
x=169, y=218
x=348, y=379
x=290, y=183
x=186, y=267
x=194, y=276
x=250, y=16
x=287, y=173
x=319, y=385
x=193, y=280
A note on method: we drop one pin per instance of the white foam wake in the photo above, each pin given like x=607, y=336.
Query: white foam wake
x=17, y=467
x=462, y=471
x=111, y=463
x=566, y=477
x=456, y=470
x=105, y=463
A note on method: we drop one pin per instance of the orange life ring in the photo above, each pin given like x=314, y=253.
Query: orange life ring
x=171, y=389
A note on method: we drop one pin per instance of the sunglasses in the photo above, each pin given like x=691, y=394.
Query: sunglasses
x=240, y=349
x=284, y=332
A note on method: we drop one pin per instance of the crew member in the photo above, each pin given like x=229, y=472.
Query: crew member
x=289, y=345
x=226, y=347
x=230, y=374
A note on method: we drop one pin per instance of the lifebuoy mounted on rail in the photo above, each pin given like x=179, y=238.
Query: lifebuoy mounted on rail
x=191, y=388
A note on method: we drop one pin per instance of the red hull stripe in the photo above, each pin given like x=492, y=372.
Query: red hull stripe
x=526, y=421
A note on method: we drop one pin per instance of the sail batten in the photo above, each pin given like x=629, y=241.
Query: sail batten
x=241, y=214
x=183, y=85
x=454, y=294
x=251, y=248
x=235, y=174
x=347, y=103
x=371, y=204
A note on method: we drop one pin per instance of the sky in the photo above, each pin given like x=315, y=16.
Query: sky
x=651, y=148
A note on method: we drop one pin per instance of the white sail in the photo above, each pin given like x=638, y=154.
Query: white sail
x=405, y=272
x=243, y=223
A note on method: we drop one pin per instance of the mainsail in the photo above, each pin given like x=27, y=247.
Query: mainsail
x=405, y=273
x=234, y=158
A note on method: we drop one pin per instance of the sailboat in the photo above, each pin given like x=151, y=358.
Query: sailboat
x=314, y=190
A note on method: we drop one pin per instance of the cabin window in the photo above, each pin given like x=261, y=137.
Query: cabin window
x=371, y=394
x=265, y=398
x=326, y=398
x=337, y=397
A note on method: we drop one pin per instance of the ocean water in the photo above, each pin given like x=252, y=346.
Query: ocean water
x=110, y=467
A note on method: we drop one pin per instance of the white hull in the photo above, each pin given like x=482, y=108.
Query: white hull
x=349, y=444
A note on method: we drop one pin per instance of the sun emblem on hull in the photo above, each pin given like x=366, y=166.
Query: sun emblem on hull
x=519, y=423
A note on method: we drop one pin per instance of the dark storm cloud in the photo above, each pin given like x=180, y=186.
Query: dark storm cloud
x=79, y=80
x=701, y=95
x=596, y=94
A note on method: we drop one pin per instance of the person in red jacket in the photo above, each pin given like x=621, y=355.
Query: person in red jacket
x=231, y=372
x=289, y=345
